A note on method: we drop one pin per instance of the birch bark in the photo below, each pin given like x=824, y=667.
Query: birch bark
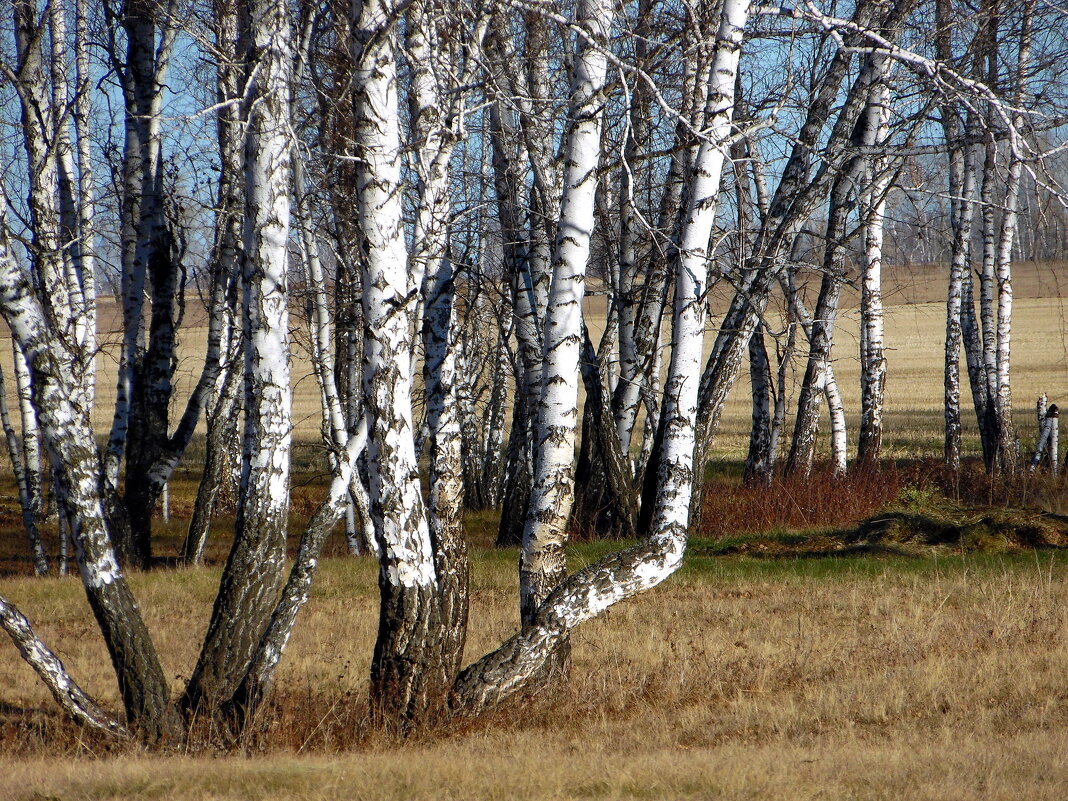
x=872, y=354
x=542, y=563
x=592, y=590
x=437, y=122
x=405, y=665
x=962, y=178
x=26, y=501
x=254, y=570
x=65, y=429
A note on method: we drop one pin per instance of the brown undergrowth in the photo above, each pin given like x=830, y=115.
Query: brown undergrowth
x=823, y=501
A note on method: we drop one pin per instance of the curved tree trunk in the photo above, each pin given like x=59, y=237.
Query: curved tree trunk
x=142, y=682
x=542, y=564
x=521, y=660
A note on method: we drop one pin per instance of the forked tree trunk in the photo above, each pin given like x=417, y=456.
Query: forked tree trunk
x=406, y=667
x=267, y=653
x=585, y=594
x=436, y=132
x=798, y=194
x=66, y=432
x=843, y=198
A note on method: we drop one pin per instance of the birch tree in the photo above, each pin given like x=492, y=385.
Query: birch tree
x=872, y=352
x=552, y=493
x=405, y=672
x=254, y=568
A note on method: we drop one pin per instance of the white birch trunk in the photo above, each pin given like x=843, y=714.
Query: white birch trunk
x=83, y=339
x=82, y=114
x=678, y=416
x=405, y=668
x=542, y=563
x=146, y=696
x=31, y=434
x=68, y=694
x=962, y=185
x=26, y=501
x=387, y=306
x=255, y=568
x=1003, y=267
x=628, y=302
x=872, y=353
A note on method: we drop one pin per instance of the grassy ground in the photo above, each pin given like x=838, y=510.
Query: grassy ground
x=870, y=677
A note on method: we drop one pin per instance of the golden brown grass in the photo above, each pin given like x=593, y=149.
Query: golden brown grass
x=939, y=678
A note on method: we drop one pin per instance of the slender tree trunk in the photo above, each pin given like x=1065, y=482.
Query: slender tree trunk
x=872, y=354
x=31, y=434
x=1007, y=440
x=254, y=570
x=29, y=513
x=221, y=436
x=542, y=564
x=628, y=301
x=962, y=183
x=758, y=463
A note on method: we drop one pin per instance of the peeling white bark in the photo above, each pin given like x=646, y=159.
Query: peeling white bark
x=68, y=694
x=552, y=493
x=679, y=412
x=388, y=304
x=255, y=568
x=872, y=354
x=589, y=592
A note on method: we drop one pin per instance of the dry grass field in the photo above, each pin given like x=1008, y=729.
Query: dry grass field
x=915, y=333
x=923, y=673
x=937, y=677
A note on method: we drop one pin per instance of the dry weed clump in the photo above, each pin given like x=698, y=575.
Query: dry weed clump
x=820, y=500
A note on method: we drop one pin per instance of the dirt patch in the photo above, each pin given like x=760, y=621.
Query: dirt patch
x=916, y=527
x=972, y=530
